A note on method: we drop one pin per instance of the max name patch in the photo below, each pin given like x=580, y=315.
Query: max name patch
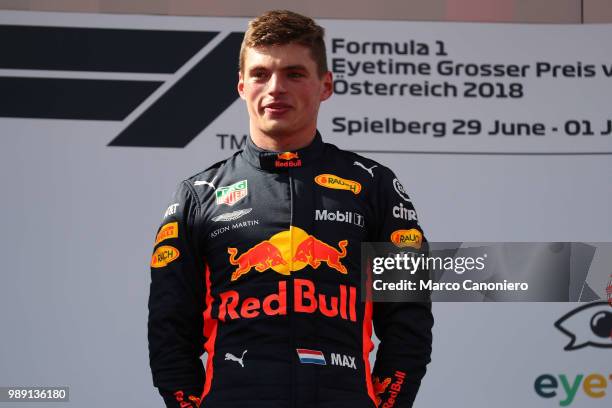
x=337, y=183
x=169, y=230
x=407, y=238
x=308, y=356
x=163, y=256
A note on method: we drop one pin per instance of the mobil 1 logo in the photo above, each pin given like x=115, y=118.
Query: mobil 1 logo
x=340, y=216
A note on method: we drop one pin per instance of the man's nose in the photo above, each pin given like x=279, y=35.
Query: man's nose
x=276, y=84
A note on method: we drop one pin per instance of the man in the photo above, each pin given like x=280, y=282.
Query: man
x=257, y=261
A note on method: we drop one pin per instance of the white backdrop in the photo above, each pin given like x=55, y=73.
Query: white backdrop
x=79, y=216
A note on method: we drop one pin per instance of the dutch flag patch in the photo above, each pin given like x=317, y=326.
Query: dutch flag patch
x=311, y=356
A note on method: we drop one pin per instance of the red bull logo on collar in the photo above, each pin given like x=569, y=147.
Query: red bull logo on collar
x=288, y=159
x=288, y=156
x=286, y=252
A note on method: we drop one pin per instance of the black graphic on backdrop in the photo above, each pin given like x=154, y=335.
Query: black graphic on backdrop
x=186, y=109
x=192, y=104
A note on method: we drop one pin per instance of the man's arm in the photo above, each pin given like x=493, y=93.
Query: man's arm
x=176, y=302
x=404, y=329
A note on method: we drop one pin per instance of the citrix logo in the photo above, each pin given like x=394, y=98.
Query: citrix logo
x=593, y=385
x=399, y=211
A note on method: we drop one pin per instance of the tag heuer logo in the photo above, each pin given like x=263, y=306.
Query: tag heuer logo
x=230, y=195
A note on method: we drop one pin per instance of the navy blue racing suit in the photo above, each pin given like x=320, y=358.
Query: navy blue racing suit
x=257, y=263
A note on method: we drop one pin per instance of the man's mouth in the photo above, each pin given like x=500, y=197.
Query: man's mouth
x=277, y=108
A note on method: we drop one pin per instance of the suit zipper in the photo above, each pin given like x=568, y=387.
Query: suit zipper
x=291, y=312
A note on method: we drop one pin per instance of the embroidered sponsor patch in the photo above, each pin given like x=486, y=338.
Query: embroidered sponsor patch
x=288, y=159
x=239, y=360
x=337, y=183
x=368, y=169
x=340, y=216
x=169, y=230
x=393, y=391
x=343, y=360
x=230, y=195
x=180, y=398
x=171, y=210
x=380, y=387
x=288, y=251
x=404, y=213
x=288, y=156
x=231, y=216
x=308, y=356
x=399, y=189
x=163, y=256
x=407, y=238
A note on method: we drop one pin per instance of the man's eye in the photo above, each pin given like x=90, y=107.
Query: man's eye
x=258, y=75
x=295, y=75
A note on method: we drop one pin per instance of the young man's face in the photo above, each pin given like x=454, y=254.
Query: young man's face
x=282, y=89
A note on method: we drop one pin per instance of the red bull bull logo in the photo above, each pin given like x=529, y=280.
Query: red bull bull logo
x=288, y=159
x=288, y=156
x=261, y=257
x=314, y=251
x=394, y=389
x=286, y=252
x=180, y=398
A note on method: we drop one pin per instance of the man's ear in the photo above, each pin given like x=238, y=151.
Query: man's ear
x=328, y=86
x=240, y=85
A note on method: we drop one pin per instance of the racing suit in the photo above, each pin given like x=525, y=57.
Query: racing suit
x=257, y=262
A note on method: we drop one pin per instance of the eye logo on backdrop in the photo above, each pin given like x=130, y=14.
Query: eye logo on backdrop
x=588, y=325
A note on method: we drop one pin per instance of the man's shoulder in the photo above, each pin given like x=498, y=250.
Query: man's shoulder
x=201, y=183
x=208, y=174
x=376, y=170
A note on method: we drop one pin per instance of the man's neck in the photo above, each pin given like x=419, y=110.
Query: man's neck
x=283, y=143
